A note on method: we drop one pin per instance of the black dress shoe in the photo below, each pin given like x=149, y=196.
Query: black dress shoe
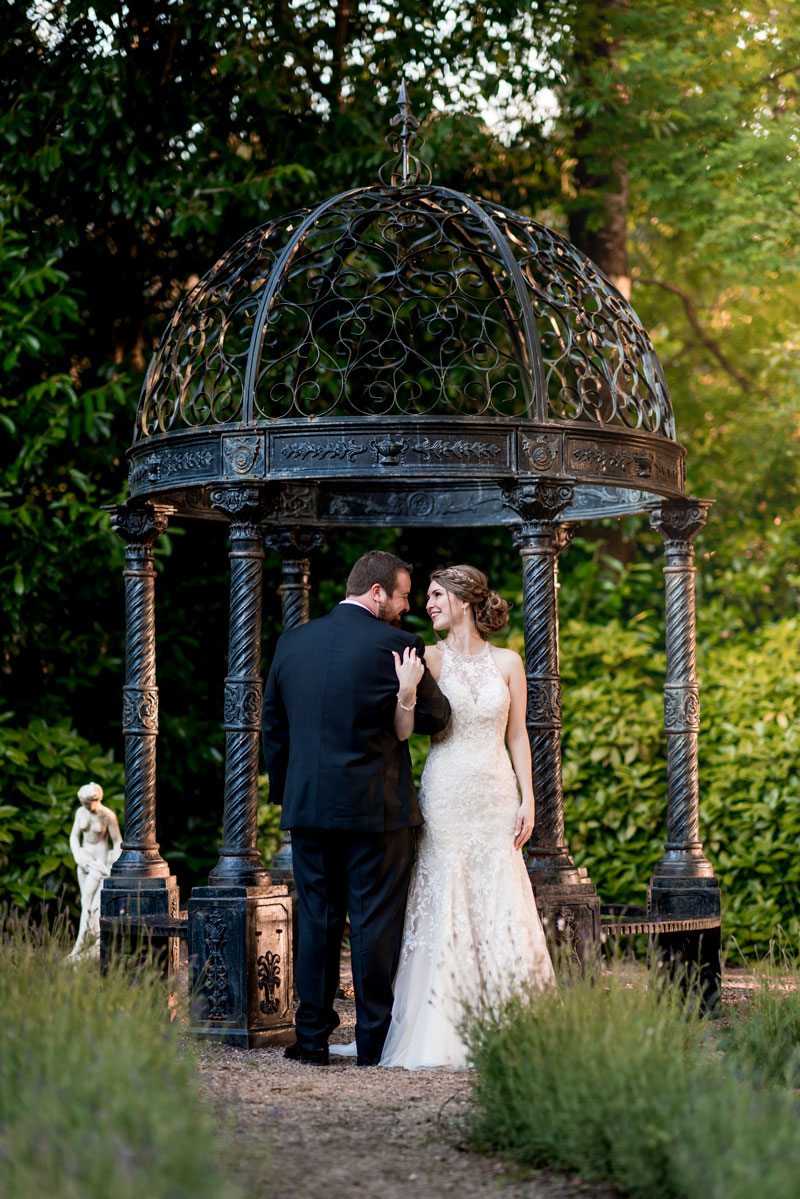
x=313, y=1057
x=368, y=1061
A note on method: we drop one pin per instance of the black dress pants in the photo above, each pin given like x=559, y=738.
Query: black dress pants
x=367, y=876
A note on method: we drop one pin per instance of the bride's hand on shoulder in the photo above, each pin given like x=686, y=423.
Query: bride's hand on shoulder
x=409, y=670
x=523, y=824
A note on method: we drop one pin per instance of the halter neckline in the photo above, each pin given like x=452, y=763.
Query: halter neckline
x=467, y=657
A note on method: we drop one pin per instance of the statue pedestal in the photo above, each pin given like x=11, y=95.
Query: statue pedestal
x=240, y=965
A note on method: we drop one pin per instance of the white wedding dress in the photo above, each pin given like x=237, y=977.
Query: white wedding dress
x=472, y=932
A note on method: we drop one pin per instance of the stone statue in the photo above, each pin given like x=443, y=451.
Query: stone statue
x=94, y=823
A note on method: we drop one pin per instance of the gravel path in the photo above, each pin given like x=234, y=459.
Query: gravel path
x=344, y=1130
x=339, y=1131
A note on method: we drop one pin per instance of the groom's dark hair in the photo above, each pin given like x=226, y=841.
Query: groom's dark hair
x=377, y=566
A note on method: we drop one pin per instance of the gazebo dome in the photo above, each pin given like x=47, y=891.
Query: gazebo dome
x=407, y=331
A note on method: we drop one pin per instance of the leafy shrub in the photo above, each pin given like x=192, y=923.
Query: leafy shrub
x=42, y=766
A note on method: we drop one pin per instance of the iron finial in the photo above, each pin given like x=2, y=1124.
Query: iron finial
x=405, y=168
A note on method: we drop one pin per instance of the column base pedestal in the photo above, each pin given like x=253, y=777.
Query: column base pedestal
x=570, y=912
x=241, y=965
x=694, y=957
x=136, y=898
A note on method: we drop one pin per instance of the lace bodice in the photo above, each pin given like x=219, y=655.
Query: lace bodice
x=468, y=765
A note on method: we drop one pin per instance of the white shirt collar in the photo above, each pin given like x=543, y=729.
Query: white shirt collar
x=359, y=604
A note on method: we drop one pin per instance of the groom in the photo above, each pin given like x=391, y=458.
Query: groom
x=344, y=780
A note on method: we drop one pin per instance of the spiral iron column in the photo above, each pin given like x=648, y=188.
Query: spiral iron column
x=564, y=894
x=683, y=886
x=140, y=528
x=140, y=888
x=240, y=941
x=240, y=862
x=294, y=544
x=679, y=521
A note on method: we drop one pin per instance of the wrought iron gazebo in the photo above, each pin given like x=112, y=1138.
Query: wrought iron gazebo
x=400, y=354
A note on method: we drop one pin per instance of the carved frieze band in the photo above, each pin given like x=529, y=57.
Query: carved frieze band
x=544, y=703
x=395, y=450
x=681, y=708
x=140, y=710
x=659, y=464
x=242, y=706
x=168, y=465
x=242, y=503
x=295, y=542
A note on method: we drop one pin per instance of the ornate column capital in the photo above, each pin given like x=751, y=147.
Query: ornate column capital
x=138, y=526
x=243, y=505
x=679, y=521
x=538, y=502
x=294, y=541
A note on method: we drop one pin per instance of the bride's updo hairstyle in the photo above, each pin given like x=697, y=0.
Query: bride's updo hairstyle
x=470, y=585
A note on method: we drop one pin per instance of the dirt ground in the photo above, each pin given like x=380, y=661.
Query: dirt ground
x=341, y=1131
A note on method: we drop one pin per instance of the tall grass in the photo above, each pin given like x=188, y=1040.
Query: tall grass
x=97, y=1096
x=763, y=1036
x=626, y=1083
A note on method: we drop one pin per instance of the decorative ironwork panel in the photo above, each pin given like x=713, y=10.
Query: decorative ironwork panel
x=410, y=299
x=269, y=981
x=215, y=975
x=197, y=374
x=139, y=710
x=600, y=365
x=244, y=456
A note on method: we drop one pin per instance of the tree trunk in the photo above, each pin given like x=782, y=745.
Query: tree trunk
x=598, y=220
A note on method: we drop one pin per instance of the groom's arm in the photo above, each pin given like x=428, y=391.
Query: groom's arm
x=275, y=737
x=432, y=713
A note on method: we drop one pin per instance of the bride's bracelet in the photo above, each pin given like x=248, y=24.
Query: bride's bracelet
x=403, y=706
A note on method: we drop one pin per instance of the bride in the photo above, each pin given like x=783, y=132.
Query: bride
x=472, y=932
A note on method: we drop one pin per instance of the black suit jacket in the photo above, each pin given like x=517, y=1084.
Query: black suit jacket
x=333, y=759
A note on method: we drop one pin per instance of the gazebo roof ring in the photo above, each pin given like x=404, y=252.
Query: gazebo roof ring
x=406, y=339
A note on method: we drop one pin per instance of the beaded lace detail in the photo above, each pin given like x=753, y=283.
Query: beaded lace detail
x=472, y=930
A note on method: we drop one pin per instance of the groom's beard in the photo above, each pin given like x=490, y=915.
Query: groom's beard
x=392, y=620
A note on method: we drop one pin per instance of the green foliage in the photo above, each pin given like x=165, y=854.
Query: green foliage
x=615, y=768
x=617, y=1082
x=98, y=1096
x=42, y=767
